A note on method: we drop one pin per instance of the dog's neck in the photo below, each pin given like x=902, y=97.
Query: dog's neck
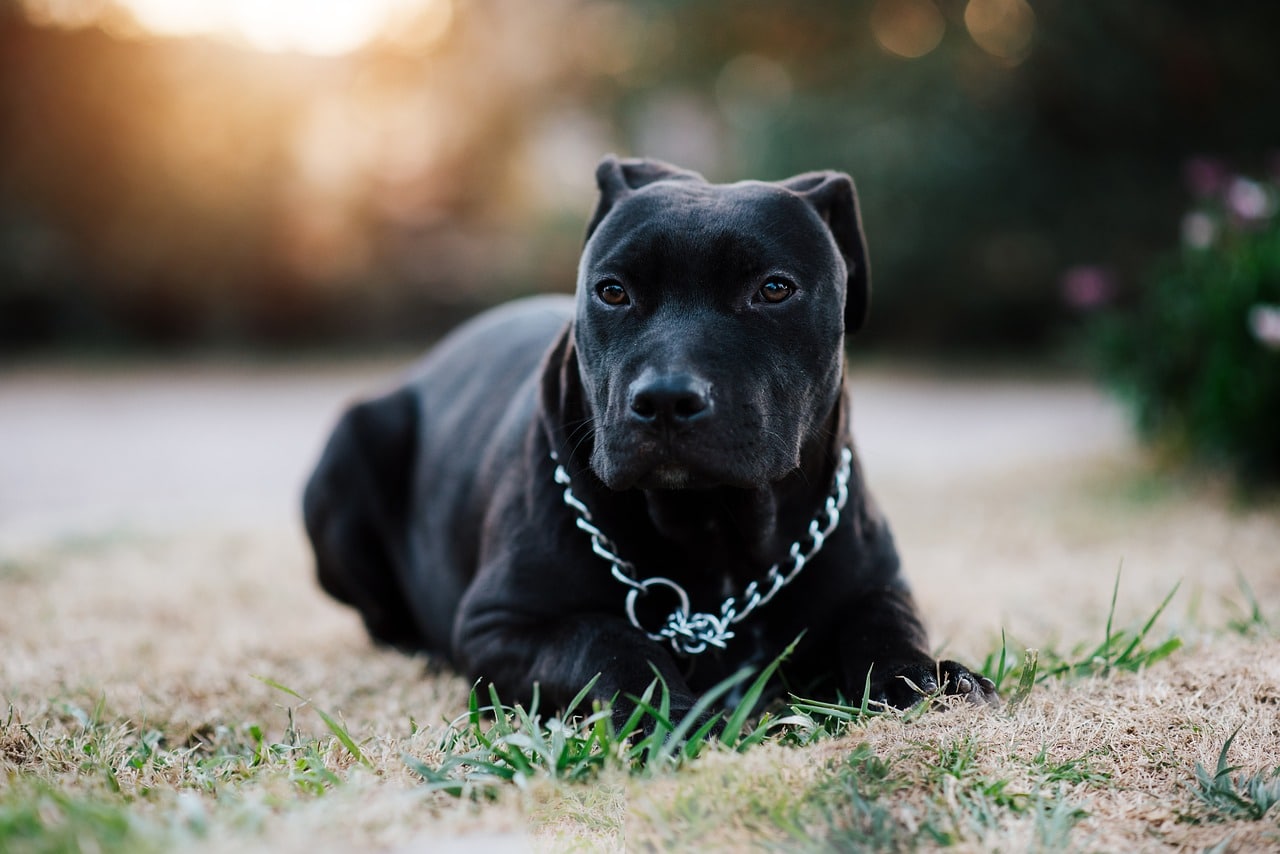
x=730, y=532
x=710, y=519
x=745, y=528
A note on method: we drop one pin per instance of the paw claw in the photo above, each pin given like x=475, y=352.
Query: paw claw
x=907, y=684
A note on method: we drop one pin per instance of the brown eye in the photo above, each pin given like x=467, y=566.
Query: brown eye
x=612, y=293
x=776, y=290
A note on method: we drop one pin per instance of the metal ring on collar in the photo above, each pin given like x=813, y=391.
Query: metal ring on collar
x=642, y=588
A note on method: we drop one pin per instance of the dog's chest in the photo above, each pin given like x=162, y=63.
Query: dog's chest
x=749, y=649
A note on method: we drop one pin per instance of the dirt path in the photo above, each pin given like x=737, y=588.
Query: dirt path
x=224, y=447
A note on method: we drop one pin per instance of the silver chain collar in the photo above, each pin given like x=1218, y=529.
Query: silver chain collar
x=691, y=633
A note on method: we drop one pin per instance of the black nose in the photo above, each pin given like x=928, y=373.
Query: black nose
x=673, y=400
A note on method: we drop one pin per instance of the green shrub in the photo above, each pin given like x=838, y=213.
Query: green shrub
x=1198, y=354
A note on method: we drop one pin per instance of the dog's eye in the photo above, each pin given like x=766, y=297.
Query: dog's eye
x=776, y=290
x=612, y=293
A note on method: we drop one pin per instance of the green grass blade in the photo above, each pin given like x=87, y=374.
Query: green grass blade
x=343, y=736
x=699, y=709
x=580, y=696
x=436, y=780
x=864, y=707
x=1111, y=612
x=700, y=736
x=1030, y=661
x=1146, y=627
x=1000, y=671
x=637, y=714
x=271, y=683
x=473, y=708
x=338, y=730
x=501, y=724
x=733, y=725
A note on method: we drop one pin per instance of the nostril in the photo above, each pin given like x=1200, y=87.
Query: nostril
x=642, y=404
x=688, y=405
x=671, y=399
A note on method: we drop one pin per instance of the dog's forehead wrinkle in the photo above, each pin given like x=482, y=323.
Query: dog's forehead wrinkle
x=753, y=211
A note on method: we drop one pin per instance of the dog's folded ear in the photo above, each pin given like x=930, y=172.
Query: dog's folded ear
x=833, y=196
x=619, y=178
x=563, y=409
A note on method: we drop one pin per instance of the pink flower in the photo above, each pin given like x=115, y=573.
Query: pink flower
x=1205, y=176
x=1198, y=230
x=1264, y=323
x=1087, y=287
x=1248, y=200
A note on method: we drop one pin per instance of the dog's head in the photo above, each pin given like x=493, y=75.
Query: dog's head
x=710, y=323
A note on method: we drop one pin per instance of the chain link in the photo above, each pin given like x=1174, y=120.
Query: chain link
x=692, y=632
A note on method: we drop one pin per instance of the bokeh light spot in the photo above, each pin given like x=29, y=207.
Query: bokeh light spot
x=1003, y=28
x=907, y=28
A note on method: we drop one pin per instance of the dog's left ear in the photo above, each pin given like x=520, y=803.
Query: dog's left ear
x=833, y=196
x=619, y=178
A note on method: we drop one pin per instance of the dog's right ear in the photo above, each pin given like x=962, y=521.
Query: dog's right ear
x=563, y=407
x=618, y=178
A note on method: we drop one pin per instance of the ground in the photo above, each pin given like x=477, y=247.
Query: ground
x=156, y=583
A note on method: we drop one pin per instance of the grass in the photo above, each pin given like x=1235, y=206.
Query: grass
x=494, y=745
x=1250, y=617
x=1120, y=650
x=1223, y=796
x=35, y=816
x=1140, y=738
x=141, y=790
x=922, y=793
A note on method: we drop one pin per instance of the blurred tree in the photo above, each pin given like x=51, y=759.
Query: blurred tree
x=185, y=190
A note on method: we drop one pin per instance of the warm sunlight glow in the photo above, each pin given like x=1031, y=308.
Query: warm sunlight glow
x=316, y=27
x=311, y=26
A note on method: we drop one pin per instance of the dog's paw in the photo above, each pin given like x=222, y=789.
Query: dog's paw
x=907, y=684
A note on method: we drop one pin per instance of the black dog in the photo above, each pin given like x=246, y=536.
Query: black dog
x=657, y=474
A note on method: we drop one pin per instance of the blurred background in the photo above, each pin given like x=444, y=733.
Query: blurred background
x=244, y=174
x=1044, y=182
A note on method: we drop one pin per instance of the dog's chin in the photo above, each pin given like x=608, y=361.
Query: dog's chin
x=667, y=474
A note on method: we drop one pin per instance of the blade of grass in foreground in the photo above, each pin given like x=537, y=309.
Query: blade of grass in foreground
x=338, y=730
x=733, y=726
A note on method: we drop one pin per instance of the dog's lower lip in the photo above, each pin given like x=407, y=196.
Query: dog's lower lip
x=670, y=476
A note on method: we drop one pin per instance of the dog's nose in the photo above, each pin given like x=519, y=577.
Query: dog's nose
x=672, y=400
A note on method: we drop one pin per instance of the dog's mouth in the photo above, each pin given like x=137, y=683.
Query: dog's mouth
x=652, y=467
x=673, y=476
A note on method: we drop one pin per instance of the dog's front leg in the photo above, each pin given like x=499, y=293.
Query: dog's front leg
x=883, y=636
x=514, y=652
